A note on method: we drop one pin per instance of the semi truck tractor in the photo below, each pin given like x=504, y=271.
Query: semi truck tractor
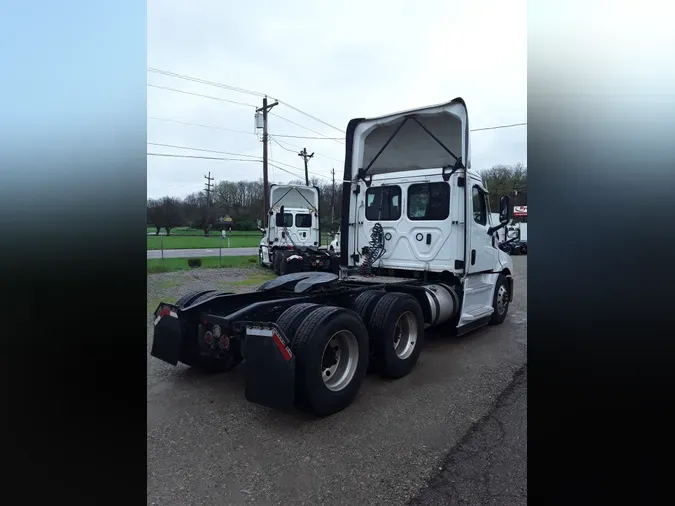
x=292, y=240
x=418, y=249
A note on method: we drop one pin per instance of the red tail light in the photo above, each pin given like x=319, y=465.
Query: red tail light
x=208, y=338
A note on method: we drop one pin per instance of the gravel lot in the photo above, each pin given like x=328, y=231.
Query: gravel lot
x=400, y=441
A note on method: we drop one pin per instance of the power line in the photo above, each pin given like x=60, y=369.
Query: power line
x=204, y=81
x=241, y=131
x=302, y=126
x=200, y=95
x=298, y=147
x=201, y=149
x=240, y=90
x=200, y=125
x=498, y=126
x=284, y=170
x=309, y=115
x=173, y=155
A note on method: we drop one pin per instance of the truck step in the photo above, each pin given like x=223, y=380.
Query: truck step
x=477, y=314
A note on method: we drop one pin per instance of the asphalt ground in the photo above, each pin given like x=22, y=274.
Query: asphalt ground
x=438, y=436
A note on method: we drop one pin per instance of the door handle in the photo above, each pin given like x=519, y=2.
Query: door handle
x=428, y=238
x=473, y=256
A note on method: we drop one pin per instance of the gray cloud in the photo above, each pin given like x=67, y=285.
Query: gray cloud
x=336, y=61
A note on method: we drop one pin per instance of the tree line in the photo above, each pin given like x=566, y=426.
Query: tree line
x=239, y=205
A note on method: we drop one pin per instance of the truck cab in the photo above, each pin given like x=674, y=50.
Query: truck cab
x=293, y=225
x=414, y=207
x=418, y=249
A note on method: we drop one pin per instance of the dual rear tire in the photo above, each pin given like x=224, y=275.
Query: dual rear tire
x=333, y=346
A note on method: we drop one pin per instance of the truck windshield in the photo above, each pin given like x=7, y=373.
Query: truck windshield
x=303, y=220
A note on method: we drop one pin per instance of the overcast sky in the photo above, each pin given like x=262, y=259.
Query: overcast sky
x=333, y=60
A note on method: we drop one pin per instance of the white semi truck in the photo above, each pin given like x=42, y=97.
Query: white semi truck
x=418, y=250
x=292, y=240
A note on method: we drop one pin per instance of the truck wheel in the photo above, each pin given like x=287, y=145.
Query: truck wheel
x=500, y=301
x=276, y=263
x=523, y=249
x=365, y=302
x=331, y=351
x=290, y=320
x=396, y=329
x=187, y=299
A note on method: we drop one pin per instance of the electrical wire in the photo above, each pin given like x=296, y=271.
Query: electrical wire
x=240, y=90
x=302, y=126
x=298, y=147
x=213, y=127
x=204, y=81
x=497, y=127
x=201, y=149
x=200, y=95
x=174, y=155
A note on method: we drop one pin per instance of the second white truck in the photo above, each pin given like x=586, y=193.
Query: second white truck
x=292, y=240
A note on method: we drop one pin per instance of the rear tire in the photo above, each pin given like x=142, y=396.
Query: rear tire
x=187, y=299
x=290, y=320
x=500, y=301
x=331, y=351
x=396, y=329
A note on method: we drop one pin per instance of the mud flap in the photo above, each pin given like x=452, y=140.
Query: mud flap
x=167, y=339
x=269, y=366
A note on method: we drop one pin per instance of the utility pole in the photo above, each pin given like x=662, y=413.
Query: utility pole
x=306, y=158
x=209, y=187
x=332, y=200
x=264, y=110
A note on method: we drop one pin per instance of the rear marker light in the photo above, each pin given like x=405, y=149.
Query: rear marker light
x=224, y=343
x=208, y=338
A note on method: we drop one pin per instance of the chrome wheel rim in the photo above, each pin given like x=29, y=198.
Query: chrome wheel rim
x=502, y=300
x=339, y=360
x=405, y=335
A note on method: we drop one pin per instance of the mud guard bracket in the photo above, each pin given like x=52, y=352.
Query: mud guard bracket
x=269, y=366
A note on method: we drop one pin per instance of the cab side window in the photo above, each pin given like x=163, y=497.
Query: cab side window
x=479, y=206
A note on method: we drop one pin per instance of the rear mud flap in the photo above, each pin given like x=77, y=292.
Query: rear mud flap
x=167, y=340
x=269, y=366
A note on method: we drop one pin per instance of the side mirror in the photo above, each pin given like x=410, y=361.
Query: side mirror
x=279, y=219
x=504, y=214
x=504, y=209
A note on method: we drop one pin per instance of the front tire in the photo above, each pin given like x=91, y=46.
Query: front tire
x=500, y=301
x=276, y=262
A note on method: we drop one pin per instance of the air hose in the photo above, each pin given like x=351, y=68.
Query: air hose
x=375, y=249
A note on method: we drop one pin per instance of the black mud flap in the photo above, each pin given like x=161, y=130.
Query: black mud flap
x=166, y=342
x=269, y=366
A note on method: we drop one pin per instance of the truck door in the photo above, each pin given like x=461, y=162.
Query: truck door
x=481, y=254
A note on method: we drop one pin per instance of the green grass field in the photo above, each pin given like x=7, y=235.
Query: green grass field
x=195, y=242
x=181, y=264
x=184, y=238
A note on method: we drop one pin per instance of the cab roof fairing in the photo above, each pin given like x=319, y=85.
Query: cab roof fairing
x=411, y=148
